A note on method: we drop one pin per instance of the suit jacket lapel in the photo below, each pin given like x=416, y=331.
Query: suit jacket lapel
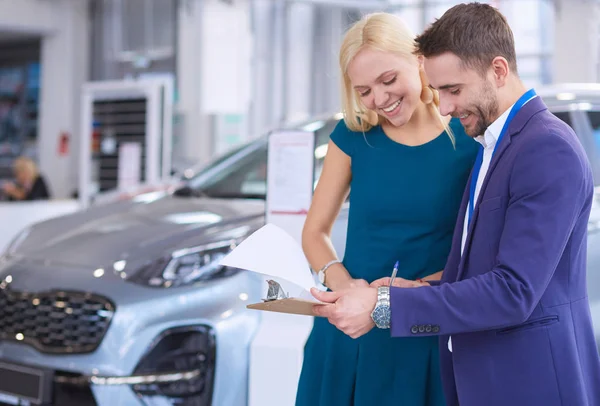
x=519, y=121
x=454, y=259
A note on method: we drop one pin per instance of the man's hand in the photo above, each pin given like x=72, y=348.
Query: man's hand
x=354, y=283
x=348, y=309
x=398, y=282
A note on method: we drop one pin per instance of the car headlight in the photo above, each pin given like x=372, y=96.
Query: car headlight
x=186, y=266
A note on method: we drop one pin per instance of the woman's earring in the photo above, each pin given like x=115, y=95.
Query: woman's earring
x=427, y=94
x=436, y=97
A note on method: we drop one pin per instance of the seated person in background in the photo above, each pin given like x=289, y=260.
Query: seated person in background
x=29, y=183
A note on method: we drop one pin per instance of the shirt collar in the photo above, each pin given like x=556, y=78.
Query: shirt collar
x=490, y=137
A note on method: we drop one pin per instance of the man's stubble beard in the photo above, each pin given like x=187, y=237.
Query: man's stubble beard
x=487, y=109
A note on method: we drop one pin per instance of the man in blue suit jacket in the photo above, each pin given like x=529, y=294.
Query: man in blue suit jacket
x=511, y=310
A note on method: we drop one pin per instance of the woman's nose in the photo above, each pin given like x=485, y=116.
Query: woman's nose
x=380, y=99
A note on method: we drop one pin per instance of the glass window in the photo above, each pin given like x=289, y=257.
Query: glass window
x=594, y=144
x=588, y=131
x=242, y=173
x=564, y=116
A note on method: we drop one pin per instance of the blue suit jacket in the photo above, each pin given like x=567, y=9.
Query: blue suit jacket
x=515, y=302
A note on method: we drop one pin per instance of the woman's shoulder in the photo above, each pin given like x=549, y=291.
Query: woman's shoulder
x=342, y=128
x=347, y=139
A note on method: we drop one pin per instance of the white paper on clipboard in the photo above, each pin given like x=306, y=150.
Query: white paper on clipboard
x=272, y=252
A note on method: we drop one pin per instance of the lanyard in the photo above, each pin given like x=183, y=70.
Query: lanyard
x=515, y=109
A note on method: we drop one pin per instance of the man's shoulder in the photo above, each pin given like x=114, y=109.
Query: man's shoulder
x=548, y=140
x=544, y=127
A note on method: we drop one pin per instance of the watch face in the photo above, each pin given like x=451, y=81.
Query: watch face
x=381, y=316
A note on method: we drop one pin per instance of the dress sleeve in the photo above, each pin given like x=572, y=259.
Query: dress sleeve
x=344, y=138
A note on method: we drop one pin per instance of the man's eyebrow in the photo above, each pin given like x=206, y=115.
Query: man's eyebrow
x=448, y=86
x=378, y=78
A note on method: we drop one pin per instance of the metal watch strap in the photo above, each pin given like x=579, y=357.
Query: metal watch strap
x=383, y=294
x=321, y=272
x=381, y=313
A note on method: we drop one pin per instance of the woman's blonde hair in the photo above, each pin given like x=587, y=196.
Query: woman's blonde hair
x=383, y=32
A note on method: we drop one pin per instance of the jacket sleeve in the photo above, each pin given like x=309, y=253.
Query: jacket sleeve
x=550, y=188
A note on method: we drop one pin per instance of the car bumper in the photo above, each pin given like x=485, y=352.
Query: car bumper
x=134, y=331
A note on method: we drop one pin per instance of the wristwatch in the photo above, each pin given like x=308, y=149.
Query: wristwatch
x=321, y=272
x=382, y=314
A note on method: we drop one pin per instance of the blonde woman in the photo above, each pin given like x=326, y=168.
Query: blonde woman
x=406, y=167
x=30, y=185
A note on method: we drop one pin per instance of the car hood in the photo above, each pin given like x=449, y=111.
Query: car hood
x=137, y=230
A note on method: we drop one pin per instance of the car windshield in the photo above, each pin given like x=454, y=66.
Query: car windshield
x=242, y=172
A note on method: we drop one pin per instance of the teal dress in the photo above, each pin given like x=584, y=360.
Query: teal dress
x=403, y=207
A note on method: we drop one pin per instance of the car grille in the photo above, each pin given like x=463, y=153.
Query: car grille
x=55, y=322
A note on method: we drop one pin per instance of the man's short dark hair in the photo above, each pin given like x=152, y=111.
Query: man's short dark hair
x=475, y=32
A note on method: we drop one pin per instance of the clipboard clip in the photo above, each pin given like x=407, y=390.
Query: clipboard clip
x=275, y=291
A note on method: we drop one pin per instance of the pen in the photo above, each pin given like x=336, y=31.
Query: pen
x=394, y=272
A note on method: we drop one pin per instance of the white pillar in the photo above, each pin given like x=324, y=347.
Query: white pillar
x=299, y=84
x=192, y=129
x=576, y=37
x=277, y=80
x=326, y=77
x=64, y=28
x=266, y=77
x=213, y=67
x=64, y=69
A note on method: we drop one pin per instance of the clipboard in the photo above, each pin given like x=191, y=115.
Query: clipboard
x=278, y=301
x=290, y=305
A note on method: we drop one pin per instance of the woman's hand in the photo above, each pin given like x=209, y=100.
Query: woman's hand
x=398, y=282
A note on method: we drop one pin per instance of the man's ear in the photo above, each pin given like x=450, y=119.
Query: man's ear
x=500, y=70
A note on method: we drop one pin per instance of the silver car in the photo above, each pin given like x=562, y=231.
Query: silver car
x=124, y=304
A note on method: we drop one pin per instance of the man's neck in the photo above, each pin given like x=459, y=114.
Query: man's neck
x=513, y=90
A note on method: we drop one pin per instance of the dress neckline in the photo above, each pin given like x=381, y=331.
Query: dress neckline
x=399, y=144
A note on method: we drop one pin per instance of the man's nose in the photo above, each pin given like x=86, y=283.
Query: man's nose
x=446, y=107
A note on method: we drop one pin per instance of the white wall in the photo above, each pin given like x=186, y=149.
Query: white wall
x=576, y=41
x=64, y=27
